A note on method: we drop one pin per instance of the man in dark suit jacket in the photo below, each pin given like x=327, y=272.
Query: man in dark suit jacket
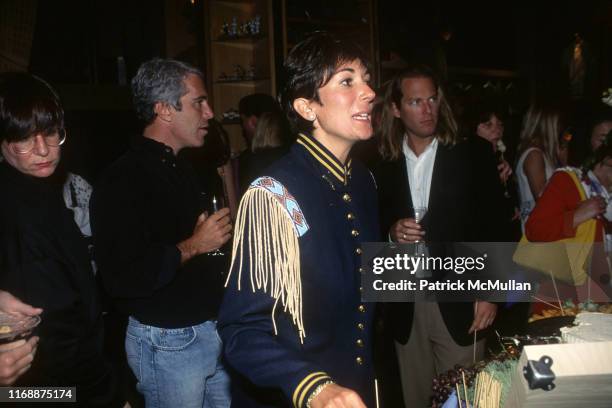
x=425, y=166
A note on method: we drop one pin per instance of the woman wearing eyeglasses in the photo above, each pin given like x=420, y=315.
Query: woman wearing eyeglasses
x=44, y=259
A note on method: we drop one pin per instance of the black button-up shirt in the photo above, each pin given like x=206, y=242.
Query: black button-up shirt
x=145, y=204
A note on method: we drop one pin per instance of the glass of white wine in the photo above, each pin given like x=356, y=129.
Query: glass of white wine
x=212, y=203
x=419, y=214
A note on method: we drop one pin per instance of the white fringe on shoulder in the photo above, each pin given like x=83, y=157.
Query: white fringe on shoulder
x=267, y=230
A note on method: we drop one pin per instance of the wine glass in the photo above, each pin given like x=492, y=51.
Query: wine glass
x=419, y=214
x=212, y=203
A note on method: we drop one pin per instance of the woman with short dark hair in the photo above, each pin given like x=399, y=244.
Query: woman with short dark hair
x=600, y=124
x=44, y=259
x=292, y=321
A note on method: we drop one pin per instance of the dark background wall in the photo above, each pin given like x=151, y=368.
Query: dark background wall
x=89, y=49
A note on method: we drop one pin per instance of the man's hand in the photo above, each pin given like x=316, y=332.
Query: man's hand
x=16, y=357
x=335, y=396
x=209, y=234
x=484, y=315
x=406, y=230
x=505, y=171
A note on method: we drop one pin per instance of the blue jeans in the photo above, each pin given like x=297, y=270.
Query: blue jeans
x=178, y=367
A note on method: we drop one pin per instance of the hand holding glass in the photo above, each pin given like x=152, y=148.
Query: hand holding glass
x=215, y=205
x=419, y=213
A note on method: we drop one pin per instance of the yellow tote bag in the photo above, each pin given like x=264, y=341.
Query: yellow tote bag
x=567, y=259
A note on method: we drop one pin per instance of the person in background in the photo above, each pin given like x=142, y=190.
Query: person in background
x=484, y=129
x=424, y=165
x=538, y=155
x=212, y=165
x=490, y=127
x=268, y=145
x=16, y=357
x=485, y=132
x=573, y=198
x=251, y=108
x=44, y=259
x=152, y=234
x=599, y=127
x=292, y=321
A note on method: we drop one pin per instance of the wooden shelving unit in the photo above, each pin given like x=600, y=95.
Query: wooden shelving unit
x=254, y=55
x=356, y=19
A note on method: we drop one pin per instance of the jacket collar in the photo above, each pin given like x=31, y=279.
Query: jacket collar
x=321, y=154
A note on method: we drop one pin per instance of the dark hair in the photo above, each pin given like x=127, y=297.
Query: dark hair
x=257, y=104
x=160, y=80
x=392, y=129
x=28, y=105
x=480, y=111
x=600, y=154
x=601, y=113
x=309, y=66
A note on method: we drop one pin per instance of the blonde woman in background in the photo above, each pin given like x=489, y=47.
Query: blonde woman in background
x=270, y=143
x=270, y=132
x=538, y=155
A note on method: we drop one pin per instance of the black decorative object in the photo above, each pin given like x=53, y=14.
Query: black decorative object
x=539, y=375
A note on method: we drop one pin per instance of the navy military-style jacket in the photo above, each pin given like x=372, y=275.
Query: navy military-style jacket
x=286, y=334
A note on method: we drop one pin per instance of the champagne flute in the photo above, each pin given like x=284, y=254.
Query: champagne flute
x=212, y=205
x=419, y=214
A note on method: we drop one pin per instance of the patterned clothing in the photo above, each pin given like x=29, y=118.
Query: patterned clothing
x=552, y=220
x=292, y=318
x=77, y=192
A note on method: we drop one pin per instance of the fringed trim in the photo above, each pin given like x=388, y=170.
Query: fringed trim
x=273, y=252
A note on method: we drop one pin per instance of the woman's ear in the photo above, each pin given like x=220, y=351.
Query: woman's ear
x=303, y=108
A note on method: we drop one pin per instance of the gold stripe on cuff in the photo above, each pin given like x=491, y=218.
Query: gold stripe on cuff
x=298, y=390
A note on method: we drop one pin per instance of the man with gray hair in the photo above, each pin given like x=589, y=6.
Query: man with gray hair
x=152, y=237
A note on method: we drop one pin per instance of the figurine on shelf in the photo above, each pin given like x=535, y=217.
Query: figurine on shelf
x=233, y=32
x=231, y=114
x=249, y=25
x=243, y=31
x=225, y=29
x=238, y=72
x=250, y=73
x=256, y=26
x=222, y=77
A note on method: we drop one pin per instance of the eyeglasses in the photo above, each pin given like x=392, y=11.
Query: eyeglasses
x=54, y=139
